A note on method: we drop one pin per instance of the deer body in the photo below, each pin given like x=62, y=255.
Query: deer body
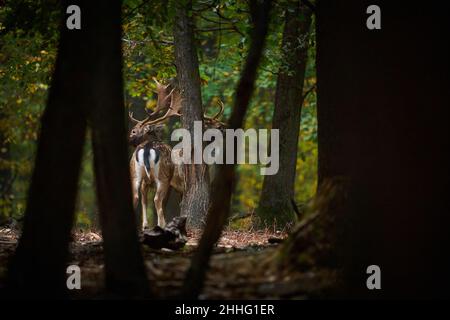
x=151, y=163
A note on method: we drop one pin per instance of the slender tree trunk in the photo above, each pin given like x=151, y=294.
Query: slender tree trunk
x=275, y=204
x=124, y=268
x=5, y=176
x=222, y=187
x=87, y=83
x=383, y=125
x=196, y=196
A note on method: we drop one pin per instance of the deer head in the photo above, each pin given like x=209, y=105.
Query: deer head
x=151, y=129
x=169, y=99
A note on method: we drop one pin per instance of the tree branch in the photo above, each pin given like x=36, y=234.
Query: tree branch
x=309, y=5
x=214, y=29
x=305, y=95
x=134, y=42
x=135, y=9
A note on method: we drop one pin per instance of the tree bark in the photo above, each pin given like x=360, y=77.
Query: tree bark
x=124, y=268
x=222, y=187
x=383, y=126
x=196, y=195
x=87, y=84
x=275, y=204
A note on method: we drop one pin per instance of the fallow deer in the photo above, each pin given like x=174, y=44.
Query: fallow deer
x=151, y=162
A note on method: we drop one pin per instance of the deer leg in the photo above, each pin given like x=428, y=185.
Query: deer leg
x=144, y=190
x=139, y=189
x=135, y=195
x=160, y=195
x=136, y=175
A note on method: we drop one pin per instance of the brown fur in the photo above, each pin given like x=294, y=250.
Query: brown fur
x=167, y=175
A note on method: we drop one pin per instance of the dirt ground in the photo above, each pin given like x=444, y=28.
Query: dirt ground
x=241, y=267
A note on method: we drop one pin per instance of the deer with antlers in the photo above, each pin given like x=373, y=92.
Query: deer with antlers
x=151, y=163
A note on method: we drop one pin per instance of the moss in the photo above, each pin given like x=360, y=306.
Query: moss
x=241, y=224
x=277, y=216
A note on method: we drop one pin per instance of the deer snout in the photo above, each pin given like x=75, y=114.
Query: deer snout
x=133, y=140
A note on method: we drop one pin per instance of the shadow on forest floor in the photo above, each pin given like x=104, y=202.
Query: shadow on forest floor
x=241, y=268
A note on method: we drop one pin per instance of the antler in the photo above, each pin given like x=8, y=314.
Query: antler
x=162, y=101
x=130, y=114
x=174, y=109
x=218, y=114
x=161, y=91
x=214, y=121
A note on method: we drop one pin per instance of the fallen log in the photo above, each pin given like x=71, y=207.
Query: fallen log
x=173, y=236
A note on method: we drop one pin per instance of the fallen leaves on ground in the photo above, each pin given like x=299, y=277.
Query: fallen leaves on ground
x=240, y=267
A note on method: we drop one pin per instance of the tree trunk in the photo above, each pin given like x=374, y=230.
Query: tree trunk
x=174, y=198
x=222, y=187
x=196, y=196
x=124, y=268
x=275, y=204
x=383, y=125
x=38, y=267
x=87, y=82
x=6, y=177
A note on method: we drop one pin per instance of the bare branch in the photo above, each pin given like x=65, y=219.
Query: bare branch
x=305, y=95
x=215, y=29
x=212, y=20
x=220, y=15
x=145, y=41
x=206, y=7
x=132, y=11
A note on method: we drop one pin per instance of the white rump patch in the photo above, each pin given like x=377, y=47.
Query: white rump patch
x=152, y=158
x=141, y=157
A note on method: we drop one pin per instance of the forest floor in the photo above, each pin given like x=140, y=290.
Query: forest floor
x=241, y=267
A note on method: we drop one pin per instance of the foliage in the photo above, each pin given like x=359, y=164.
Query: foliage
x=28, y=52
x=26, y=61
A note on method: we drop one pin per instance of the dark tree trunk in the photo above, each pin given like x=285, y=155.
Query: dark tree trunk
x=124, y=268
x=6, y=177
x=222, y=187
x=172, y=205
x=196, y=196
x=275, y=204
x=38, y=267
x=87, y=82
x=383, y=125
